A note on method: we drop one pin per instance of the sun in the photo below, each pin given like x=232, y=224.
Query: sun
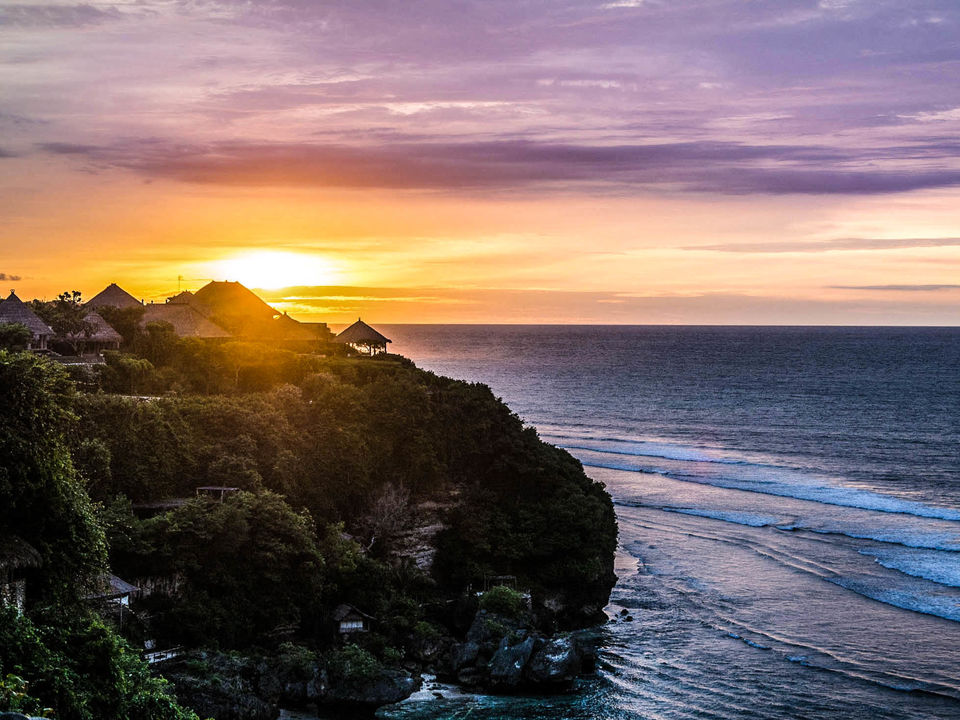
x=272, y=269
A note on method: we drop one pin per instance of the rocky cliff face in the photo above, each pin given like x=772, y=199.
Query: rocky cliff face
x=505, y=655
x=232, y=687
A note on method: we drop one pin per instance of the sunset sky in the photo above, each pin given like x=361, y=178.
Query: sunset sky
x=633, y=161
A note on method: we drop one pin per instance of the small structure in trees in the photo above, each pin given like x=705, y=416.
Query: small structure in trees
x=364, y=339
x=14, y=311
x=111, y=590
x=350, y=620
x=16, y=556
x=97, y=336
x=112, y=596
x=215, y=492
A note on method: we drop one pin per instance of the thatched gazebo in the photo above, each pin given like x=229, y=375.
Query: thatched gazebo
x=98, y=337
x=363, y=338
x=14, y=311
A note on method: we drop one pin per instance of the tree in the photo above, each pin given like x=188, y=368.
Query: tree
x=158, y=343
x=125, y=321
x=14, y=336
x=41, y=500
x=67, y=317
x=59, y=651
x=248, y=566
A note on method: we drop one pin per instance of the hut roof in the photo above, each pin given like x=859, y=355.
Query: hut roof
x=344, y=611
x=319, y=329
x=14, y=310
x=16, y=552
x=181, y=298
x=100, y=330
x=186, y=320
x=361, y=333
x=233, y=298
x=109, y=586
x=290, y=329
x=114, y=296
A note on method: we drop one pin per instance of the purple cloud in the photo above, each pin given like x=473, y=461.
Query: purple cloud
x=54, y=15
x=715, y=167
x=715, y=96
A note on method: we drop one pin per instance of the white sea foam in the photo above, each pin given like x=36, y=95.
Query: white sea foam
x=940, y=567
x=809, y=488
x=916, y=600
x=740, y=518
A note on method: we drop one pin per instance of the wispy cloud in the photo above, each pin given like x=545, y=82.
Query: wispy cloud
x=53, y=15
x=817, y=246
x=437, y=304
x=896, y=288
x=7, y=276
x=705, y=166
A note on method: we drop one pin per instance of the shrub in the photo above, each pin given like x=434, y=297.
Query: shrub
x=504, y=601
x=352, y=663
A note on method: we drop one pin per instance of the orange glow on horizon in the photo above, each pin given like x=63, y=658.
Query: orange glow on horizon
x=271, y=269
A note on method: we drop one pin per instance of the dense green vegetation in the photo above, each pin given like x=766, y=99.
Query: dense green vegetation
x=14, y=336
x=337, y=461
x=59, y=655
x=347, y=436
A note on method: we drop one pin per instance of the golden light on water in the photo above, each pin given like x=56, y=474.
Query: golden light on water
x=271, y=269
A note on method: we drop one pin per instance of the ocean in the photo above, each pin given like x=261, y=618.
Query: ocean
x=789, y=509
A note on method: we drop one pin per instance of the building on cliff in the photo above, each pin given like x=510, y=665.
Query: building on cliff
x=98, y=336
x=350, y=620
x=239, y=310
x=15, y=312
x=364, y=339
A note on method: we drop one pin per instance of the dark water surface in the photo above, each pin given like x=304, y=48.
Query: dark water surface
x=789, y=508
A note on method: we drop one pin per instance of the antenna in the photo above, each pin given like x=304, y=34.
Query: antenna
x=179, y=280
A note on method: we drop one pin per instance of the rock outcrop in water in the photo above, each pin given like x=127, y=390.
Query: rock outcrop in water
x=503, y=654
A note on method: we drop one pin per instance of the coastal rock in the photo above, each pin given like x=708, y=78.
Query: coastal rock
x=466, y=654
x=385, y=688
x=472, y=677
x=508, y=663
x=488, y=631
x=223, y=699
x=556, y=663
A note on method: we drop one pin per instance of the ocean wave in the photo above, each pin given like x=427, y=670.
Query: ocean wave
x=668, y=453
x=739, y=518
x=905, y=538
x=945, y=607
x=824, y=494
x=921, y=563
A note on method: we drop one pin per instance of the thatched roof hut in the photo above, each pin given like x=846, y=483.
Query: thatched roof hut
x=101, y=336
x=114, y=296
x=110, y=587
x=351, y=620
x=247, y=316
x=363, y=338
x=186, y=321
x=14, y=310
x=16, y=553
